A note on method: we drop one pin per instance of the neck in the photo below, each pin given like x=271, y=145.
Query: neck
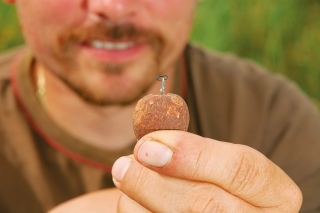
x=108, y=127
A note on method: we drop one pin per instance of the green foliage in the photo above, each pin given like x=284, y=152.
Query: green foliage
x=283, y=36
x=10, y=34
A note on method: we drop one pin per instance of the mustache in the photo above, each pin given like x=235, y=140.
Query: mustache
x=110, y=31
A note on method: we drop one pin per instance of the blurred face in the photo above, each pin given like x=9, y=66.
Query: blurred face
x=107, y=51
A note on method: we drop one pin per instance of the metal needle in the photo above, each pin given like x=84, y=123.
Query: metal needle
x=162, y=78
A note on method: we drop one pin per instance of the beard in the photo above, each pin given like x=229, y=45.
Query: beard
x=105, y=83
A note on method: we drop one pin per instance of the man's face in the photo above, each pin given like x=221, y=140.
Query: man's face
x=108, y=51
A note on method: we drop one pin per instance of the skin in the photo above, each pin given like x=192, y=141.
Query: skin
x=99, y=201
x=180, y=172
x=63, y=45
x=103, y=85
x=202, y=175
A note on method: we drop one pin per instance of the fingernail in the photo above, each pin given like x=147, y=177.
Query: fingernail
x=120, y=168
x=154, y=154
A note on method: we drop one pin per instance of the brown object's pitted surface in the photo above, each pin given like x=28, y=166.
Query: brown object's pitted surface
x=160, y=112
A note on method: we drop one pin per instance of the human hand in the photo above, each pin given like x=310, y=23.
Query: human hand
x=175, y=171
x=104, y=200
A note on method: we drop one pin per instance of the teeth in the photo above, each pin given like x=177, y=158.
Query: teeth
x=97, y=44
x=111, y=45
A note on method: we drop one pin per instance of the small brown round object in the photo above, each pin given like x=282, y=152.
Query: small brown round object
x=160, y=112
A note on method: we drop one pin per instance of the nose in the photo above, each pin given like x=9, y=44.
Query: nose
x=114, y=10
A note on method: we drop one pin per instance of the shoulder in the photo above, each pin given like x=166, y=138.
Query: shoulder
x=234, y=74
x=238, y=95
x=207, y=62
x=229, y=77
x=6, y=60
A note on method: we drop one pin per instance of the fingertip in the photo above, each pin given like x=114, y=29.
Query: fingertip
x=116, y=183
x=120, y=168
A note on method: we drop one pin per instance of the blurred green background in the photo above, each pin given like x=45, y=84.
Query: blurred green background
x=283, y=36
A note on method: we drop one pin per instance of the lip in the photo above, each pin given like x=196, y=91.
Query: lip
x=115, y=55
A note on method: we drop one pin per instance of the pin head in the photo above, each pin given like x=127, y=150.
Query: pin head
x=162, y=78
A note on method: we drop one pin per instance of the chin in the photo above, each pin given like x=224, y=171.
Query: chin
x=122, y=100
x=111, y=92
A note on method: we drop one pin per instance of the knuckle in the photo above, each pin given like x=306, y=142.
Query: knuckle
x=247, y=172
x=206, y=206
x=295, y=198
x=197, y=202
x=298, y=199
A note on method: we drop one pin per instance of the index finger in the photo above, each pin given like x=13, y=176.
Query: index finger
x=238, y=169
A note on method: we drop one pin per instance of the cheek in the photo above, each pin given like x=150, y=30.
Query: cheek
x=171, y=7
x=43, y=20
x=61, y=12
x=175, y=17
x=44, y=15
